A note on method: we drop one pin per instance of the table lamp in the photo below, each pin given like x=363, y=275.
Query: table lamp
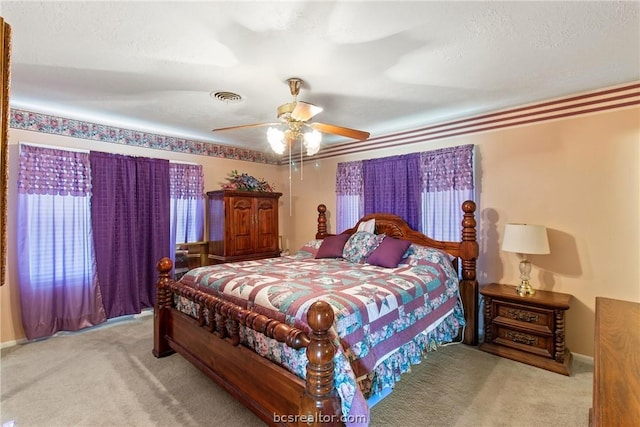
x=525, y=239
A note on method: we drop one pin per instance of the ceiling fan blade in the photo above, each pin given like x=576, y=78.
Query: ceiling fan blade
x=255, y=125
x=303, y=111
x=339, y=130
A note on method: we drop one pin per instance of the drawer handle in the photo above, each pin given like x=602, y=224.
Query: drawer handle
x=524, y=316
x=521, y=338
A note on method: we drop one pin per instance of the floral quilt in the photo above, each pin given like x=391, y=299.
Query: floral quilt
x=386, y=318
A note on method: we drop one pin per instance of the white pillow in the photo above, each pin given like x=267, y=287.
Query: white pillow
x=368, y=226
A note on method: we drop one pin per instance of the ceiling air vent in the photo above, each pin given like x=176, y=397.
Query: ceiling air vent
x=226, y=97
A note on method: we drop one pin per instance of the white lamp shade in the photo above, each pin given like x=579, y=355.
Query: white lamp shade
x=525, y=239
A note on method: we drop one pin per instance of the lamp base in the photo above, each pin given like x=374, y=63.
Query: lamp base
x=525, y=289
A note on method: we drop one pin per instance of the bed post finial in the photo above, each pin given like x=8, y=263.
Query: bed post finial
x=320, y=397
x=163, y=303
x=469, y=285
x=469, y=245
x=322, y=222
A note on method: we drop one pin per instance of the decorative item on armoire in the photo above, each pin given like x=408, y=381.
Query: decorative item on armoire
x=244, y=182
x=525, y=239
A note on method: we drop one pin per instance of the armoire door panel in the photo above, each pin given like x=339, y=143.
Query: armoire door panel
x=266, y=225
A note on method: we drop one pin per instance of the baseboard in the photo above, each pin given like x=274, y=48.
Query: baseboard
x=144, y=313
x=582, y=358
x=12, y=343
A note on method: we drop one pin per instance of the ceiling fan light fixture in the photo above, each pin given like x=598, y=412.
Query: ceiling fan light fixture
x=276, y=140
x=294, y=115
x=312, y=141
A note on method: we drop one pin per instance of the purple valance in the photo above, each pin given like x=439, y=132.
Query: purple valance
x=349, y=179
x=447, y=169
x=48, y=171
x=187, y=181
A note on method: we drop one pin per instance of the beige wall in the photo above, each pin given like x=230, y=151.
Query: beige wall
x=578, y=176
x=215, y=171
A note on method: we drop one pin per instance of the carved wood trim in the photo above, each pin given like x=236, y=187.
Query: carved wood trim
x=5, y=79
x=559, y=336
x=522, y=315
x=226, y=311
x=521, y=337
x=488, y=320
x=322, y=222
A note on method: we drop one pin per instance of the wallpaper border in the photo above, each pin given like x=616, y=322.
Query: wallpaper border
x=45, y=123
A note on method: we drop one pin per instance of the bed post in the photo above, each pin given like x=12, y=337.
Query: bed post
x=322, y=222
x=320, y=403
x=469, y=283
x=161, y=310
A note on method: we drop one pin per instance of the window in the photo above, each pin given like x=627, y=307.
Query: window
x=446, y=181
x=56, y=258
x=187, y=203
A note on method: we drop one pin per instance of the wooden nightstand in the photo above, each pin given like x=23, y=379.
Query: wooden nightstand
x=528, y=329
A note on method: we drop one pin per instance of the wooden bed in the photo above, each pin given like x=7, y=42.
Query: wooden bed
x=276, y=395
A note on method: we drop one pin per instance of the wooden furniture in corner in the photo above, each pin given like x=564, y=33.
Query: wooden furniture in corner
x=196, y=253
x=243, y=225
x=616, y=364
x=528, y=329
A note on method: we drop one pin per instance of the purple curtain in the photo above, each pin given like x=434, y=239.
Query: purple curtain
x=130, y=217
x=392, y=185
x=56, y=260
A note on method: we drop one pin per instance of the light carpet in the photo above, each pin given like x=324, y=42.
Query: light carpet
x=107, y=376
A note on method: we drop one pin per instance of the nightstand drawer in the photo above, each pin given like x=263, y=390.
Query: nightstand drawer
x=520, y=340
x=519, y=316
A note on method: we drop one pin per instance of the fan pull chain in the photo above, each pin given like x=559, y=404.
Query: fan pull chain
x=290, y=193
x=301, y=163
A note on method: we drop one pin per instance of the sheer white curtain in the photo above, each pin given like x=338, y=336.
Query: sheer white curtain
x=349, y=194
x=56, y=257
x=447, y=182
x=187, y=203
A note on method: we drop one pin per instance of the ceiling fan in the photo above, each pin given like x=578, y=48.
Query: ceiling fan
x=296, y=115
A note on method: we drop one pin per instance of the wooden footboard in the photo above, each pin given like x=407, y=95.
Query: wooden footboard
x=277, y=396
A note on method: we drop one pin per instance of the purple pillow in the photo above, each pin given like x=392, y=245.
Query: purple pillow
x=332, y=246
x=389, y=253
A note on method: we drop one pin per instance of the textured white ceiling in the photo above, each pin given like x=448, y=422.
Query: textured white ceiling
x=377, y=66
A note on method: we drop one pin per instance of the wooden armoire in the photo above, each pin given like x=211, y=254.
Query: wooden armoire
x=243, y=225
